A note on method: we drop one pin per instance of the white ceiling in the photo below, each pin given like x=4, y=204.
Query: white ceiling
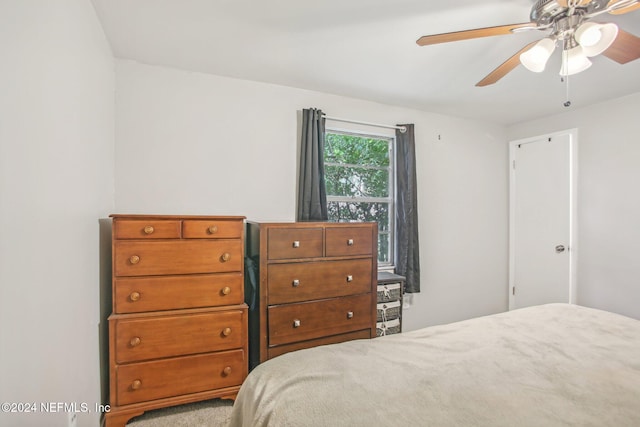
x=365, y=49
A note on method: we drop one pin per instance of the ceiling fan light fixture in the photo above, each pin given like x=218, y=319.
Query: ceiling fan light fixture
x=574, y=61
x=595, y=38
x=535, y=59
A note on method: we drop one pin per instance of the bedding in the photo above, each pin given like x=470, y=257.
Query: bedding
x=549, y=365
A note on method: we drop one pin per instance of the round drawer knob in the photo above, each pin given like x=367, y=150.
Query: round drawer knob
x=296, y=323
x=349, y=278
x=149, y=229
x=213, y=229
x=349, y=314
x=135, y=341
x=350, y=242
x=134, y=296
x=226, y=371
x=295, y=283
x=225, y=257
x=134, y=259
x=136, y=384
x=296, y=244
x=226, y=332
x=226, y=290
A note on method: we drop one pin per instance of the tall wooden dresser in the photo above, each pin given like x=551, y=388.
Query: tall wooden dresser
x=317, y=285
x=178, y=331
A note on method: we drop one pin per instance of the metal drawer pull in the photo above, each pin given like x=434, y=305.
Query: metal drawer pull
x=350, y=242
x=213, y=229
x=135, y=341
x=225, y=257
x=296, y=244
x=148, y=229
x=296, y=323
x=349, y=314
x=295, y=283
x=134, y=296
x=134, y=259
x=349, y=278
x=136, y=384
x=226, y=332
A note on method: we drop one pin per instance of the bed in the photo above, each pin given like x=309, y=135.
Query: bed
x=549, y=365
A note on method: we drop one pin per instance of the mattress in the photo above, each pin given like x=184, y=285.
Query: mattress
x=549, y=365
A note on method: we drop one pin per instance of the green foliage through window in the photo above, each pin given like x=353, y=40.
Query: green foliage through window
x=359, y=181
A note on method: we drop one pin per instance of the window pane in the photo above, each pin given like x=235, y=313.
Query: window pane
x=356, y=150
x=383, y=248
x=356, y=182
x=359, y=182
x=365, y=212
x=359, y=212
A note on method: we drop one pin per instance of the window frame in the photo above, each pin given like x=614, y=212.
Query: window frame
x=391, y=199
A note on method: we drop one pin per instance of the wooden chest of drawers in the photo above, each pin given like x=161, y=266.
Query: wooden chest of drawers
x=178, y=331
x=317, y=285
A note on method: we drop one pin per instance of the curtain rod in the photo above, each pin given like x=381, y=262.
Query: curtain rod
x=402, y=129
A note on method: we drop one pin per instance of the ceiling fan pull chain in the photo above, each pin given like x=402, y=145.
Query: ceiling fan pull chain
x=565, y=79
x=567, y=102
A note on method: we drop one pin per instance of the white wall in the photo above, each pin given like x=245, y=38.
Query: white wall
x=56, y=180
x=189, y=143
x=192, y=143
x=608, y=271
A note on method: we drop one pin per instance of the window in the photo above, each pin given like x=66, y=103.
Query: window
x=359, y=171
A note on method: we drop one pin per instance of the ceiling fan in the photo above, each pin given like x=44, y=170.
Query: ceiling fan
x=570, y=26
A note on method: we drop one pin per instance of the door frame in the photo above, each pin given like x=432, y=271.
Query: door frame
x=573, y=203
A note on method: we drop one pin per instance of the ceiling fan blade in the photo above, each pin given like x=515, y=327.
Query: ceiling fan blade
x=506, y=67
x=625, y=48
x=565, y=3
x=471, y=34
x=624, y=9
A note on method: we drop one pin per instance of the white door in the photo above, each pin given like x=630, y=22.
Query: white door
x=542, y=196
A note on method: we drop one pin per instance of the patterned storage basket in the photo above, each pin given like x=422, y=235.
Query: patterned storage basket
x=388, y=311
x=388, y=328
x=389, y=292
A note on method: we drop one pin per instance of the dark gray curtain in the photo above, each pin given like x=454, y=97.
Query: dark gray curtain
x=407, y=251
x=312, y=193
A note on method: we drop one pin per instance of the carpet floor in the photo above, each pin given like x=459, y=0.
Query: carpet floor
x=209, y=413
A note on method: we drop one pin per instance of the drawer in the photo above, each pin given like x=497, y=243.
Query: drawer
x=212, y=229
x=334, y=339
x=156, y=337
x=303, y=321
x=388, y=311
x=389, y=292
x=140, y=382
x=146, y=229
x=307, y=281
x=290, y=243
x=138, y=294
x=347, y=241
x=177, y=257
x=389, y=327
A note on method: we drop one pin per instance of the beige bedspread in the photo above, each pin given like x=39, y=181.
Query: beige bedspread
x=551, y=365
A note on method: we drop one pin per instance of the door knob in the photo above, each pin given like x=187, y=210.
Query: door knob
x=559, y=249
